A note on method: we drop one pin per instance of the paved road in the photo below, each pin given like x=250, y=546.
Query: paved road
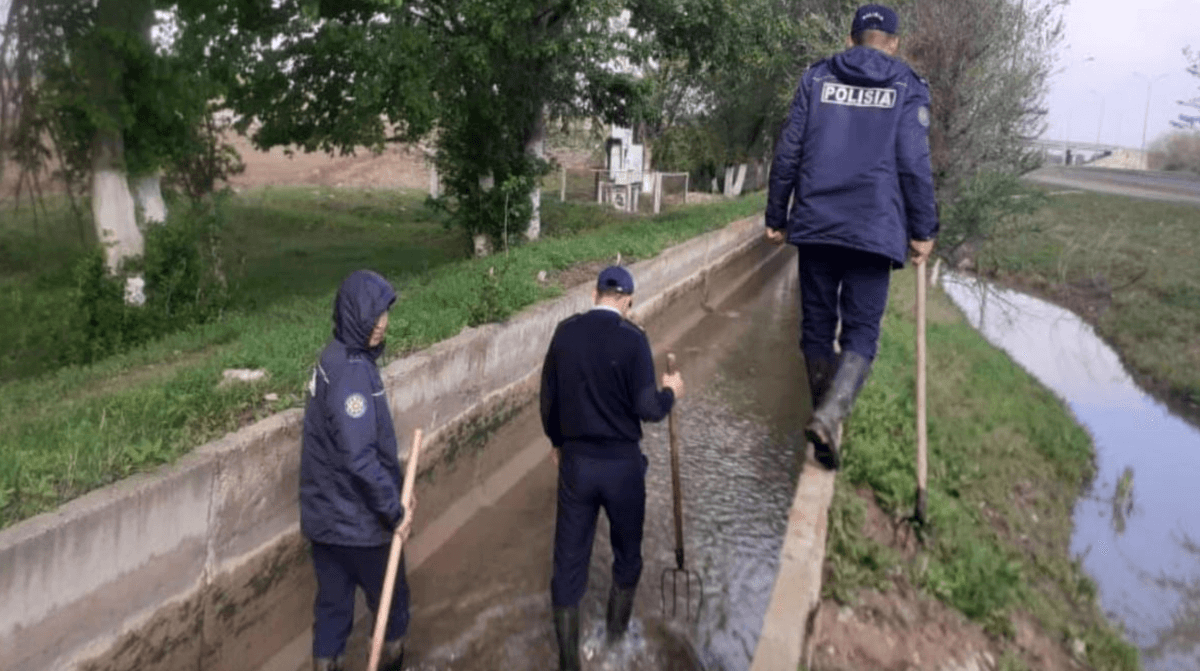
x=1172, y=187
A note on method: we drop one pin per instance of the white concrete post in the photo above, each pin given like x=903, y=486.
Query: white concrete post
x=433, y=180
x=686, y=178
x=562, y=185
x=657, y=192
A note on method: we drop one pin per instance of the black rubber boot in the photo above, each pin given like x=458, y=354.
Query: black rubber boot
x=824, y=430
x=620, y=608
x=329, y=664
x=566, y=628
x=392, y=658
x=820, y=374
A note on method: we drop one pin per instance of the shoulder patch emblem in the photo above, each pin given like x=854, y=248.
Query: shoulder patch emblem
x=923, y=116
x=356, y=405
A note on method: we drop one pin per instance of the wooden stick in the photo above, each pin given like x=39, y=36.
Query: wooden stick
x=389, y=578
x=676, y=490
x=922, y=436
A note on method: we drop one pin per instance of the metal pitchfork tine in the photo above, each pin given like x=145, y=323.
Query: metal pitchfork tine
x=674, y=575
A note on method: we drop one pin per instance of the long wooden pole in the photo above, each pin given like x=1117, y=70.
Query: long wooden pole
x=676, y=492
x=389, y=578
x=922, y=436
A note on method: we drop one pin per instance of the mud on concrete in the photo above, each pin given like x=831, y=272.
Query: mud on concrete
x=220, y=624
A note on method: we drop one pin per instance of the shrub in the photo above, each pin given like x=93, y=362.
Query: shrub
x=184, y=286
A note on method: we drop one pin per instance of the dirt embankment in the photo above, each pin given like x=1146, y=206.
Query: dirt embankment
x=904, y=630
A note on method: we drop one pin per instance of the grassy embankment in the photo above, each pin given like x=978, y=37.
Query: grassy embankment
x=1128, y=267
x=1007, y=462
x=67, y=431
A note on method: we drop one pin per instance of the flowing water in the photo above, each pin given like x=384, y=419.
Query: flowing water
x=482, y=601
x=1137, y=529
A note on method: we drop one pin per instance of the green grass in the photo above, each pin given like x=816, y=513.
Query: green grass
x=71, y=430
x=1006, y=464
x=1134, y=260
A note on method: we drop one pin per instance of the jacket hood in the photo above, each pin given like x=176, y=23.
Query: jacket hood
x=363, y=296
x=864, y=66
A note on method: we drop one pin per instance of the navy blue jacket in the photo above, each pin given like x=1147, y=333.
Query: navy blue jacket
x=598, y=385
x=349, y=471
x=855, y=153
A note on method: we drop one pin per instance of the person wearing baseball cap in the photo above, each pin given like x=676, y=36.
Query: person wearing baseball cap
x=853, y=161
x=597, y=388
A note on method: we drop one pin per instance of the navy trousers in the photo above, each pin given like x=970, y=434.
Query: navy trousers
x=838, y=280
x=585, y=485
x=339, y=570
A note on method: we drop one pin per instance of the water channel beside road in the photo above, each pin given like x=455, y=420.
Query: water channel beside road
x=1137, y=527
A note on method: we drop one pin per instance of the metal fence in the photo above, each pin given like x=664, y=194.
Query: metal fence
x=648, y=192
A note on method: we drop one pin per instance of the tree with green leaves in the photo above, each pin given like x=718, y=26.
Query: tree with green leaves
x=479, y=75
x=727, y=72
x=99, y=97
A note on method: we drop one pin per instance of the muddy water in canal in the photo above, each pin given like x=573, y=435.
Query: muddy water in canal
x=482, y=601
x=1137, y=529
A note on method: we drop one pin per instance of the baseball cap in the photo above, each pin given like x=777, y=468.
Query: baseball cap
x=615, y=278
x=875, y=17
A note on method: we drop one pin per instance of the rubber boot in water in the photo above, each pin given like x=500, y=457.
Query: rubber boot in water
x=824, y=430
x=329, y=663
x=620, y=608
x=566, y=628
x=392, y=658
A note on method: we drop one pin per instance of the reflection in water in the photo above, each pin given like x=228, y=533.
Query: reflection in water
x=1122, y=500
x=1178, y=642
x=1147, y=580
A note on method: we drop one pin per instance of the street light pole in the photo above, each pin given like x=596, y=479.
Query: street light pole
x=1099, y=124
x=1146, y=115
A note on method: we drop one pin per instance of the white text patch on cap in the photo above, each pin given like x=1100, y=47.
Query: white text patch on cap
x=857, y=96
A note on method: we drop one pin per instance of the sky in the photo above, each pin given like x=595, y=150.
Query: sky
x=1103, y=95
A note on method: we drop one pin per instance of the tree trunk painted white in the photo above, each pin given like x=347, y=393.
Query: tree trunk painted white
x=740, y=181
x=536, y=146
x=148, y=192
x=112, y=205
x=482, y=244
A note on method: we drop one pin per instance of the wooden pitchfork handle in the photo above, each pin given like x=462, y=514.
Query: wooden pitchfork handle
x=675, y=486
x=389, y=578
x=922, y=435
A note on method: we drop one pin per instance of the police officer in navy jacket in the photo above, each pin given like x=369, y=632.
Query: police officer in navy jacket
x=350, y=477
x=853, y=160
x=597, y=388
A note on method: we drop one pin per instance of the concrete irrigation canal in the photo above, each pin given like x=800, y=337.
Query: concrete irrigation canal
x=201, y=565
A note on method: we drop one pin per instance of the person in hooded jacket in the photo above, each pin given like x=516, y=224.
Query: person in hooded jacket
x=350, y=477
x=853, y=160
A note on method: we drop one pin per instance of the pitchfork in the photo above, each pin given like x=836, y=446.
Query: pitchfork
x=679, y=573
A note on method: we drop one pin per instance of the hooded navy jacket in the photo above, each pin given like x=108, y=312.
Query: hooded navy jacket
x=855, y=152
x=349, y=471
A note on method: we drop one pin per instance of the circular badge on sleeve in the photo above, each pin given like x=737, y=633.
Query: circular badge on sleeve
x=923, y=116
x=356, y=405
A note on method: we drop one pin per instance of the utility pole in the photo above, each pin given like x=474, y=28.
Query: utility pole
x=1146, y=115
